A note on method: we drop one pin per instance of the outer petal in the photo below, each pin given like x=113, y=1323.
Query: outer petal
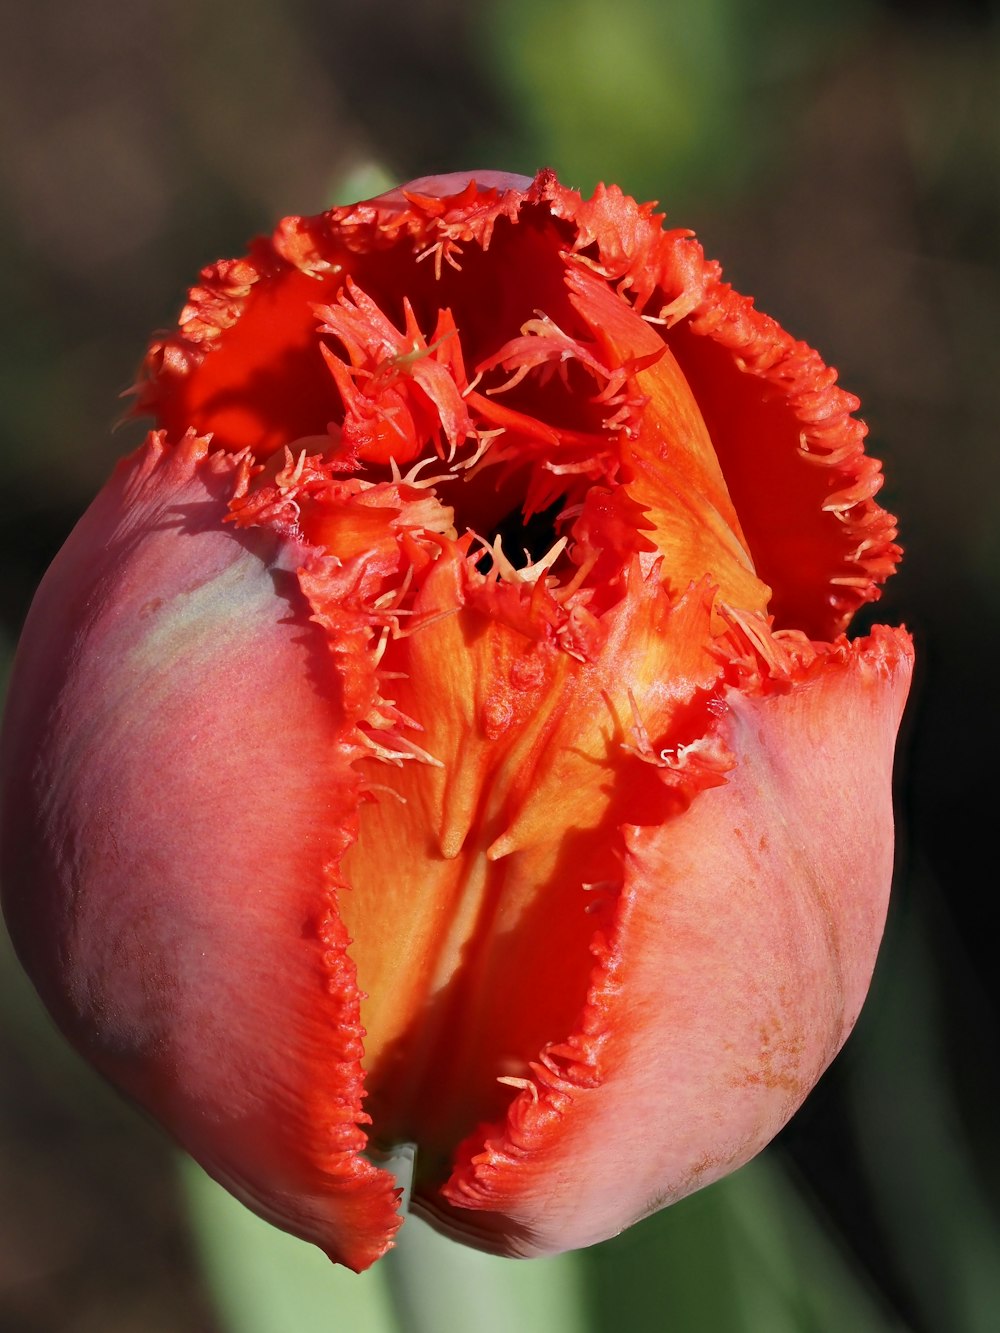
x=175, y=791
x=745, y=941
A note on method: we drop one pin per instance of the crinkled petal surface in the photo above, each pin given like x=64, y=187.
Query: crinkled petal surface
x=440, y=731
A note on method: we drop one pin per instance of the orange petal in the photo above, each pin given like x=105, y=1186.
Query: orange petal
x=496, y=864
x=673, y=472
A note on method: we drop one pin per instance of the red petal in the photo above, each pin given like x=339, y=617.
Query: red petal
x=675, y=474
x=793, y=456
x=744, y=945
x=246, y=366
x=245, y=361
x=791, y=451
x=490, y=875
x=177, y=799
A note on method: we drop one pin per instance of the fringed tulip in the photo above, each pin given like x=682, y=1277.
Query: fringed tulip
x=441, y=730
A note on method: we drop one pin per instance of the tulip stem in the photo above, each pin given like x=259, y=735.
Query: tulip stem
x=439, y=1286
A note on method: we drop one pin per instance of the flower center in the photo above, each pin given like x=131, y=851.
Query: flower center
x=511, y=449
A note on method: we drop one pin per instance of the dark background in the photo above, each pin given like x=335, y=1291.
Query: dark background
x=843, y=160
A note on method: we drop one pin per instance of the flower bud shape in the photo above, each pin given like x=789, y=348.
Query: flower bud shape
x=441, y=730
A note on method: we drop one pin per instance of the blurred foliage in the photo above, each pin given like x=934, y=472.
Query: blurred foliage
x=91, y=1236
x=745, y=1256
x=929, y=1194
x=844, y=160
x=655, y=87
x=266, y=1281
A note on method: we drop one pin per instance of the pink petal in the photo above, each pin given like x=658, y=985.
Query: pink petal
x=182, y=799
x=745, y=943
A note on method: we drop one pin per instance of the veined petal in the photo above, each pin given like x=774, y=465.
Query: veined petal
x=497, y=863
x=671, y=471
x=202, y=967
x=736, y=967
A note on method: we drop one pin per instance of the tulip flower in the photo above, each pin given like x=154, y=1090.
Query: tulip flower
x=441, y=731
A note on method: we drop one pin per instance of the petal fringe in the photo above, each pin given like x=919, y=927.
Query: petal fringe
x=791, y=450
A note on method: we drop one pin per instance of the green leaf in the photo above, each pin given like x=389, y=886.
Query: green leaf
x=264, y=1281
x=747, y=1255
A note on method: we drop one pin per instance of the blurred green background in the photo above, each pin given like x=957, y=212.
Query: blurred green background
x=843, y=159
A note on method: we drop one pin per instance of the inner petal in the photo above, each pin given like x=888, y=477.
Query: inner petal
x=794, y=461
x=439, y=1034
x=671, y=471
x=474, y=907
